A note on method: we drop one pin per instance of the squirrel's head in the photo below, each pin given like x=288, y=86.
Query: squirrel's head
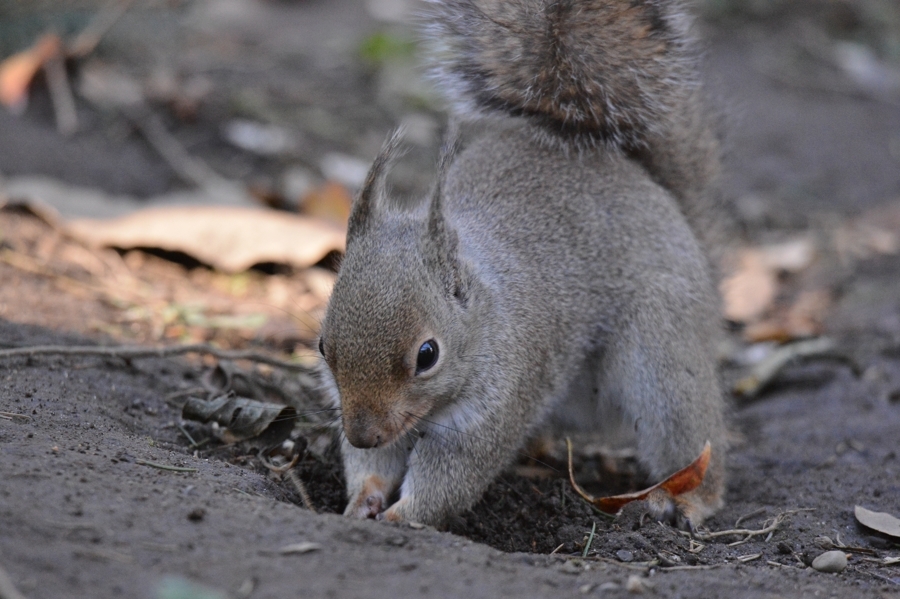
x=395, y=331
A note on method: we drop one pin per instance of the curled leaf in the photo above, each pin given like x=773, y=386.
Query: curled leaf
x=879, y=521
x=17, y=71
x=685, y=480
x=243, y=418
x=230, y=238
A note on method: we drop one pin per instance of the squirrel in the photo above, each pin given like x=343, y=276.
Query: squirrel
x=560, y=260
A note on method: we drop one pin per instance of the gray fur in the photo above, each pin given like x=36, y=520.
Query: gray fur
x=532, y=267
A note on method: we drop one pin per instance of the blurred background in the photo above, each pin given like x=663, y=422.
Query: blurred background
x=114, y=106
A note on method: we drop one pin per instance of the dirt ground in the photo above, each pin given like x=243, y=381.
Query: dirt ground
x=86, y=510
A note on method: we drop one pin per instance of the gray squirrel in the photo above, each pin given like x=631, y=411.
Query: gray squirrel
x=560, y=262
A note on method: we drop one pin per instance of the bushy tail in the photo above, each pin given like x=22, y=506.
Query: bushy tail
x=589, y=71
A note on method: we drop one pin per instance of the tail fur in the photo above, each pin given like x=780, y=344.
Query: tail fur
x=589, y=71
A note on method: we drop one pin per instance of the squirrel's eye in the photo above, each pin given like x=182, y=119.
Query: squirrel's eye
x=321, y=346
x=428, y=355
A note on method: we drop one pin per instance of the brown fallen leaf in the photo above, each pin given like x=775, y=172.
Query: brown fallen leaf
x=231, y=239
x=750, y=291
x=803, y=318
x=17, y=71
x=685, y=480
x=879, y=521
x=330, y=201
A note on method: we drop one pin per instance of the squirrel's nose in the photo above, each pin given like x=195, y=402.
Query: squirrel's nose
x=360, y=433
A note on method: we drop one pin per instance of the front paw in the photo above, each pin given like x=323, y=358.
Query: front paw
x=371, y=499
x=397, y=512
x=686, y=511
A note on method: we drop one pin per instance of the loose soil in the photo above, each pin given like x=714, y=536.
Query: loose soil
x=85, y=513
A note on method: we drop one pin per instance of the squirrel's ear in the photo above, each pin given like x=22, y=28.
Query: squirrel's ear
x=441, y=255
x=367, y=201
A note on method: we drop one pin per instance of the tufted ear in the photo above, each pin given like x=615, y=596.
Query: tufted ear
x=441, y=243
x=366, y=203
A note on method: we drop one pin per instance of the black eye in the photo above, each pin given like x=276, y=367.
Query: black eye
x=428, y=355
x=321, y=346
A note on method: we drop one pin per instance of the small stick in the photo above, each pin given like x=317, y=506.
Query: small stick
x=301, y=490
x=61, y=96
x=136, y=352
x=700, y=567
x=165, y=467
x=891, y=580
x=14, y=416
x=102, y=22
x=561, y=545
x=590, y=540
x=184, y=432
x=7, y=589
x=776, y=522
x=190, y=169
x=749, y=558
x=755, y=512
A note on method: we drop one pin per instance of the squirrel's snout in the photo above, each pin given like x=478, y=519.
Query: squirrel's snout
x=362, y=433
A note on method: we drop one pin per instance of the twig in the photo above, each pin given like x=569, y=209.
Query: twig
x=776, y=522
x=891, y=580
x=165, y=467
x=61, y=96
x=700, y=567
x=13, y=416
x=767, y=370
x=749, y=558
x=561, y=545
x=188, y=435
x=587, y=546
x=127, y=352
x=190, y=169
x=755, y=512
x=102, y=22
x=7, y=589
x=301, y=490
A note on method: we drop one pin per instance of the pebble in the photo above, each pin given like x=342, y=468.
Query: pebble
x=830, y=561
x=624, y=555
x=636, y=584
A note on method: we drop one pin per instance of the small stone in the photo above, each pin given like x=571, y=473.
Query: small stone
x=624, y=555
x=636, y=584
x=586, y=588
x=609, y=586
x=830, y=561
x=572, y=567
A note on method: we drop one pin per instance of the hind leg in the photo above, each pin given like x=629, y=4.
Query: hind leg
x=660, y=369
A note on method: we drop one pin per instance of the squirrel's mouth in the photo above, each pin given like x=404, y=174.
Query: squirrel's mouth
x=365, y=431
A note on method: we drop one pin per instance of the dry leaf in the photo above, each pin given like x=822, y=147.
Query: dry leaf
x=231, y=239
x=766, y=370
x=685, y=480
x=750, y=291
x=17, y=71
x=331, y=201
x=880, y=521
x=803, y=318
x=790, y=256
x=243, y=418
